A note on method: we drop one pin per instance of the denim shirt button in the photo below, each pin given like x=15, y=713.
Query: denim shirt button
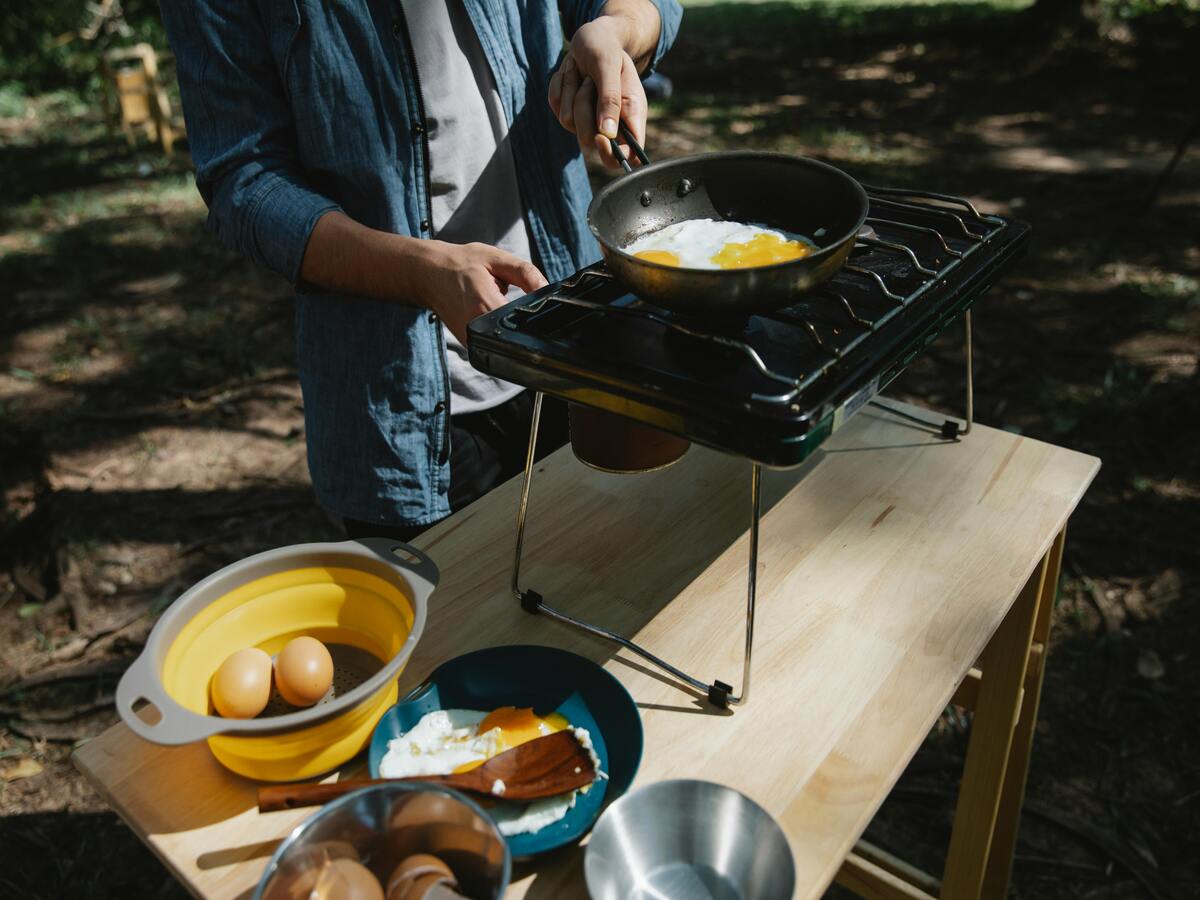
x=397, y=29
x=418, y=128
x=439, y=407
x=433, y=318
x=425, y=223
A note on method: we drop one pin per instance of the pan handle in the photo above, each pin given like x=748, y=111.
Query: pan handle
x=634, y=145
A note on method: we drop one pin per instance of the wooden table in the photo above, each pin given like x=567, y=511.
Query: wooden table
x=890, y=567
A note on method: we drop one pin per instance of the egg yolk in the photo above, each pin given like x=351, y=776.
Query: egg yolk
x=760, y=250
x=662, y=257
x=517, y=726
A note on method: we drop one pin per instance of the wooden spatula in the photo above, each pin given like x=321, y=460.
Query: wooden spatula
x=543, y=767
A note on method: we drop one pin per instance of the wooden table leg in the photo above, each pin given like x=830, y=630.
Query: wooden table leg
x=1004, y=838
x=1004, y=697
x=989, y=800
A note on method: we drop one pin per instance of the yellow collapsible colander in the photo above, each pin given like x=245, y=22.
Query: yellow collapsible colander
x=365, y=599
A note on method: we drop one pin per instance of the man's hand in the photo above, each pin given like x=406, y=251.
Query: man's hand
x=456, y=281
x=598, y=84
x=463, y=281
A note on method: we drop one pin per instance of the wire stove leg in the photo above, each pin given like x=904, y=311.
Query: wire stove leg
x=719, y=693
x=950, y=430
x=970, y=374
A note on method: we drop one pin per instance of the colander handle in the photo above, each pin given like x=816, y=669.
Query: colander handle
x=412, y=561
x=176, y=725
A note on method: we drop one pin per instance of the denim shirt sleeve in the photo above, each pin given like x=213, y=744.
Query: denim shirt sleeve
x=576, y=12
x=241, y=133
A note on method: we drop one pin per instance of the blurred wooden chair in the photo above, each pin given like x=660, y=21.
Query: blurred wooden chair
x=131, y=75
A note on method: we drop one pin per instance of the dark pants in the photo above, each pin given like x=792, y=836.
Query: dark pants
x=486, y=449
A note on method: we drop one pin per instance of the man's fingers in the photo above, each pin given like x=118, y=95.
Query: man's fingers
x=631, y=106
x=584, y=114
x=554, y=92
x=604, y=148
x=607, y=76
x=513, y=270
x=569, y=88
x=488, y=294
x=633, y=101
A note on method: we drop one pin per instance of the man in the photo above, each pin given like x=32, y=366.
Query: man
x=409, y=165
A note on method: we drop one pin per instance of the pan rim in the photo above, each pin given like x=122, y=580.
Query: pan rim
x=790, y=158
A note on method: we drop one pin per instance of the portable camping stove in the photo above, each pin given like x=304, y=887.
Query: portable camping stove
x=770, y=388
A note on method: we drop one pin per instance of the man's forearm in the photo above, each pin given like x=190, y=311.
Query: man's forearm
x=457, y=281
x=639, y=24
x=348, y=258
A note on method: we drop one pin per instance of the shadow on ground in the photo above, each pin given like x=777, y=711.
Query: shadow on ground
x=106, y=859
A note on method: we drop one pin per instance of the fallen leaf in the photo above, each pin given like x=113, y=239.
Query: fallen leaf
x=30, y=580
x=72, y=649
x=1150, y=666
x=1111, y=611
x=1166, y=588
x=146, y=287
x=26, y=767
x=1142, y=850
x=1135, y=603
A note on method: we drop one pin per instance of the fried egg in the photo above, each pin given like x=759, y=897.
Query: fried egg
x=718, y=244
x=458, y=740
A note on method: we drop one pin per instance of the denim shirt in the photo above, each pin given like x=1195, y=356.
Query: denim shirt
x=298, y=107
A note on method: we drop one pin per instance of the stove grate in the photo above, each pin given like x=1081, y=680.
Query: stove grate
x=900, y=274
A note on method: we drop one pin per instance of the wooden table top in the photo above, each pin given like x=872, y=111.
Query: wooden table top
x=885, y=566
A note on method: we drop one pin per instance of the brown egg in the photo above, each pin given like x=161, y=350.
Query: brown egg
x=421, y=889
x=241, y=687
x=345, y=879
x=303, y=671
x=297, y=877
x=415, y=876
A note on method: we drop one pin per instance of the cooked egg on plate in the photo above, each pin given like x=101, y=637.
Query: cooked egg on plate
x=719, y=244
x=446, y=741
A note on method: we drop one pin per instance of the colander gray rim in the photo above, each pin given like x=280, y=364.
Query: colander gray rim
x=142, y=681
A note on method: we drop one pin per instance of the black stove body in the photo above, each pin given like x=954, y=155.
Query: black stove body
x=774, y=386
x=771, y=387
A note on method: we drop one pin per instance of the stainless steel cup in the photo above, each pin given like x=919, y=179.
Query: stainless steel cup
x=382, y=825
x=688, y=840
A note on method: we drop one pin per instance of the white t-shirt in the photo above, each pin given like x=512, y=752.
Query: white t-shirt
x=475, y=194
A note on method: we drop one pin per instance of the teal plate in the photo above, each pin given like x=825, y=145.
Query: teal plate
x=549, y=680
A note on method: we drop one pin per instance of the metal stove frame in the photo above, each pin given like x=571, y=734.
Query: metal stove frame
x=719, y=693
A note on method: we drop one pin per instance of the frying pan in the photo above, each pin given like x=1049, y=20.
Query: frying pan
x=791, y=193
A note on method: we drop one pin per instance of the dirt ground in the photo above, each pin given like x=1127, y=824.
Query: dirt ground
x=151, y=428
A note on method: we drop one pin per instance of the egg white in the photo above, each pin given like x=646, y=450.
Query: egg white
x=697, y=241
x=448, y=738
x=441, y=742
